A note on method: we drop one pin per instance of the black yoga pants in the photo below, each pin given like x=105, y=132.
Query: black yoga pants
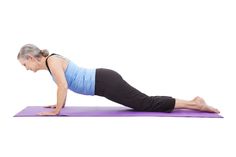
x=110, y=84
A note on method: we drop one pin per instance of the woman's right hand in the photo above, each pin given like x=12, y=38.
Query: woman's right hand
x=51, y=106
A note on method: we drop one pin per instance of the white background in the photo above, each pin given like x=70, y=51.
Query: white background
x=178, y=48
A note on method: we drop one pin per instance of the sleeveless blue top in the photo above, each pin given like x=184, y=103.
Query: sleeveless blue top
x=79, y=80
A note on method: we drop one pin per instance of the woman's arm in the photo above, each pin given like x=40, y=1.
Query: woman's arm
x=61, y=97
x=57, y=72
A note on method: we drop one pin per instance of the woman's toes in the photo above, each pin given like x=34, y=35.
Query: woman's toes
x=209, y=109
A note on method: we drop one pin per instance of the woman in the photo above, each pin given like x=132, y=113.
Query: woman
x=101, y=82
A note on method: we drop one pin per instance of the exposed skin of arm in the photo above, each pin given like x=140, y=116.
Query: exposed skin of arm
x=57, y=72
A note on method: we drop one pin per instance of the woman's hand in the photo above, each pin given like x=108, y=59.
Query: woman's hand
x=50, y=106
x=51, y=113
x=53, y=106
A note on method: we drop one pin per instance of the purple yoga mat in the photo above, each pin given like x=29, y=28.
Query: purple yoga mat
x=92, y=111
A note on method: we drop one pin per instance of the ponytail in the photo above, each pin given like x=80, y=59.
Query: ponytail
x=44, y=52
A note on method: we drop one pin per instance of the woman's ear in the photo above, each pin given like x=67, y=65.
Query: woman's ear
x=29, y=57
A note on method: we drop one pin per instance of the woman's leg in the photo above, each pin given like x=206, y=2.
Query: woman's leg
x=111, y=85
x=197, y=103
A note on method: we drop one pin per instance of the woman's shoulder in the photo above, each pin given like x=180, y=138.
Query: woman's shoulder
x=57, y=60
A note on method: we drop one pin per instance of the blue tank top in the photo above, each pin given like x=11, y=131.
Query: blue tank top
x=80, y=80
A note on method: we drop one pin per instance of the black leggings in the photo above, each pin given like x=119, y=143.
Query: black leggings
x=111, y=85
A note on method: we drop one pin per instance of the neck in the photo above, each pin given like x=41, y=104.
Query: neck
x=42, y=63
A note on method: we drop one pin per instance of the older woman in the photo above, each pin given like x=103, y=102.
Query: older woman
x=101, y=82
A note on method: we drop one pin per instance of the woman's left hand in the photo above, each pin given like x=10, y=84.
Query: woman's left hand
x=51, y=113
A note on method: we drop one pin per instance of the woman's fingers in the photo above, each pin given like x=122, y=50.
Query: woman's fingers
x=52, y=113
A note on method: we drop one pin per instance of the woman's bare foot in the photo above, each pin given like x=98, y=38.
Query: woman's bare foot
x=203, y=106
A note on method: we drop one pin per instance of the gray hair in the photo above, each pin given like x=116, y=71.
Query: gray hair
x=33, y=50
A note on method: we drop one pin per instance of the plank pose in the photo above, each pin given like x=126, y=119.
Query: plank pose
x=101, y=82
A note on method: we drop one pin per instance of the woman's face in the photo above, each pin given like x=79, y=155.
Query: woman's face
x=30, y=63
